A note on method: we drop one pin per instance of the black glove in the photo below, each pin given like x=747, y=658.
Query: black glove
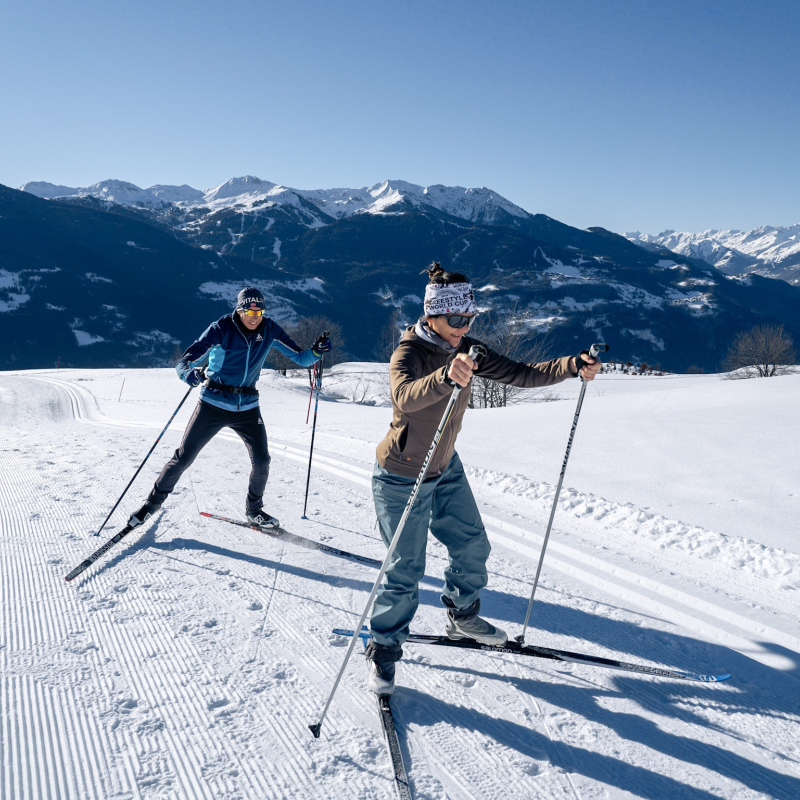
x=322, y=345
x=582, y=360
x=194, y=377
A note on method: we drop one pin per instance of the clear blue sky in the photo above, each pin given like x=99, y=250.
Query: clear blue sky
x=628, y=114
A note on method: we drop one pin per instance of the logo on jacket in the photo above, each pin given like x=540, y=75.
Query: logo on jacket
x=259, y=338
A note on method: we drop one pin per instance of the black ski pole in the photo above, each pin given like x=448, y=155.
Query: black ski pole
x=594, y=350
x=318, y=386
x=311, y=393
x=474, y=352
x=143, y=462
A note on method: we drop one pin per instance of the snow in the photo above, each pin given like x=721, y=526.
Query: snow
x=85, y=338
x=189, y=660
x=730, y=248
x=11, y=281
x=476, y=205
x=648, y=336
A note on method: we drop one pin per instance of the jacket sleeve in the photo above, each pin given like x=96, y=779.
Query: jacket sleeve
x=197, y=354
x=410, y=392
x=284, y=343
x=499, y=368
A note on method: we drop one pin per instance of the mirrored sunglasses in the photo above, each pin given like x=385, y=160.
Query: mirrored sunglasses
x=254, y=312
x=459, y=320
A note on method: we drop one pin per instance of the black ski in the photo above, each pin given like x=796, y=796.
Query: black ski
x=99, y=552
x=280, y=533
x=401, y=786
x=555, y=655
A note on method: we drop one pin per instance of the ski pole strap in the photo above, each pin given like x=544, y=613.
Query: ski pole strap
x=223, y=387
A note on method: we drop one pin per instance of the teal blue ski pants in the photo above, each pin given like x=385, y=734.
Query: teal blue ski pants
x=446, y=506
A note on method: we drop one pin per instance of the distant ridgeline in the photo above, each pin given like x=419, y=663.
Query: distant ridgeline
x=114, y=275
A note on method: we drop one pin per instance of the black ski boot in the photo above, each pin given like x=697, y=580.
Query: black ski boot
x=260, y=517
x=143, y=514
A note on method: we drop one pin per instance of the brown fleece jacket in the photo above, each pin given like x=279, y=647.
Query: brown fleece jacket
x=419, y=397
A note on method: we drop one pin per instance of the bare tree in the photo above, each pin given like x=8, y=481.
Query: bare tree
x=304, y=332
x=389, y=338
x=762, y=352
x=511, y=333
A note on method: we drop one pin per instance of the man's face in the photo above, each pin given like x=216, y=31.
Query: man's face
x=251, y=323
x=452, y=336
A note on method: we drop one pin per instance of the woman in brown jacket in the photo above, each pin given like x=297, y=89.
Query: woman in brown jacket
x=430, y=360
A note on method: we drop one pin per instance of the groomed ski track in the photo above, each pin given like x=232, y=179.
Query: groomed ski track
x=189, y=663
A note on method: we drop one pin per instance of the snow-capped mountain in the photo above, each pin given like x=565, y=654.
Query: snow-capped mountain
x=476, y=205
x=113, y=192
x=767, y=250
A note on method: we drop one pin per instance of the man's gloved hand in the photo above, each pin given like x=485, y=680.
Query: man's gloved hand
x=194, y=377
x=322, y=345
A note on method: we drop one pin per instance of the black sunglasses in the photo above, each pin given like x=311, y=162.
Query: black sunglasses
x=459, y=320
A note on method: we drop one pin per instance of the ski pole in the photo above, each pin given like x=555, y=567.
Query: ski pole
x=594, y=350
x=318, y=387
x=143, y=462
x=474, y=352
x=311, y=393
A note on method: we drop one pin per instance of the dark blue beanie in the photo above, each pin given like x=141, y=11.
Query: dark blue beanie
x=250, y=297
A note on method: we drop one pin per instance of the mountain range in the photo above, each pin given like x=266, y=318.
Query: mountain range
x=773, y=252
x=113, y=274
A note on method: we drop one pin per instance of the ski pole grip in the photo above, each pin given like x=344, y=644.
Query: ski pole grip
x=592, y=352
x=477, y=351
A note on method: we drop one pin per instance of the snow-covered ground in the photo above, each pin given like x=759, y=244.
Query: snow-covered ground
x=189, y=662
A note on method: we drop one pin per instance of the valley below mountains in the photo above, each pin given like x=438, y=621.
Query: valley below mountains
x=114, y=275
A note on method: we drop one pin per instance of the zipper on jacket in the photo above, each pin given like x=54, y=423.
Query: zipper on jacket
x=246, y=363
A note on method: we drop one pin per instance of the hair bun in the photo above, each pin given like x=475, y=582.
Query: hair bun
x=437, y=274
x=435, y=271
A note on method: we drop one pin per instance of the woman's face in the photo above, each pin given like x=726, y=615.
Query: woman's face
x=452, y=336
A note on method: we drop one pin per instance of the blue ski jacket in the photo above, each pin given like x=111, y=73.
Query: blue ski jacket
x=234, y=359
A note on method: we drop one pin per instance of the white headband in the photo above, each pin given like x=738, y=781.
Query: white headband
x=451, y=298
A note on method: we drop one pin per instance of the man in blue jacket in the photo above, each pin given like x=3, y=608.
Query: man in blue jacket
x=231, y=352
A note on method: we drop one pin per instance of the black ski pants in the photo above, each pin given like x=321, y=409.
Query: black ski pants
x=206, y=422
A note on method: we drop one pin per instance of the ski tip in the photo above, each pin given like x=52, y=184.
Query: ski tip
x=204, y=514
x=695, y=676
x=315, y=729
x=365, y=634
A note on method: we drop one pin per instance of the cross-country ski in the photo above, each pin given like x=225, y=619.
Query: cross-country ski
x=534, y=651
x=300, y=541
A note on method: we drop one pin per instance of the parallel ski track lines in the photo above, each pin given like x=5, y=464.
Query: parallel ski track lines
x=297, y=753
x=180, y=657
x=466, y=761
x=317, y=671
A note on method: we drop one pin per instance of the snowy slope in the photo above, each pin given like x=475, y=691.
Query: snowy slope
x=189, y=662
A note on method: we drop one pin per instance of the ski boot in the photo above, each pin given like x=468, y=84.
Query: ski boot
x=382, y=659
x=381, y=677
x=260, y=517
x=143, y=514
x=466, y=624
